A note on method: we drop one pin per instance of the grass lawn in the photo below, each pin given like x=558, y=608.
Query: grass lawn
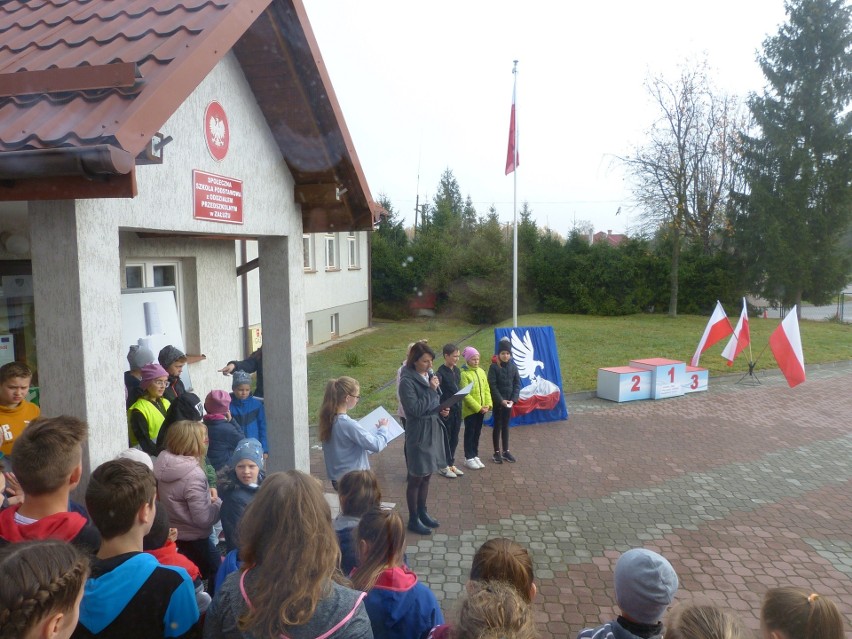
x=585, y=343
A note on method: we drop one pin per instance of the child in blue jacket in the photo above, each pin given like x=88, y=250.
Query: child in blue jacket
x=399, y=606
x=247, y=410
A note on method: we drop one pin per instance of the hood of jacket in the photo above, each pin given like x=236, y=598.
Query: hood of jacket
x=226, y=481
x=61, y=526
x=169, y=467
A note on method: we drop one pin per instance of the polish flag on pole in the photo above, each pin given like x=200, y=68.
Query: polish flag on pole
x=719, y=327
x=740, y=339
x=512, y=158
x=786, y=345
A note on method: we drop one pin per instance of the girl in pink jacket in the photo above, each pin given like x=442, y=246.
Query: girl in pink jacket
x=192, y=505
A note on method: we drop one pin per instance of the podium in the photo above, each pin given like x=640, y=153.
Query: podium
x=696, y=380
x=667, y=376
x=624, y=383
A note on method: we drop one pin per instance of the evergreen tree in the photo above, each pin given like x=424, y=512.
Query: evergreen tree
x=447, y=204
x=393, y=277
x=789, y=221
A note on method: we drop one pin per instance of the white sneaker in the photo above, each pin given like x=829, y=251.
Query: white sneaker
x=479, y=461
x=447, y=472
x=457, y=471
x=471, y=463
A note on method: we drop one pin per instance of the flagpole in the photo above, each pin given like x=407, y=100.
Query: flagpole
x=515, y=204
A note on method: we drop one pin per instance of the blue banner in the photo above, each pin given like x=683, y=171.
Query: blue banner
x=534, y=353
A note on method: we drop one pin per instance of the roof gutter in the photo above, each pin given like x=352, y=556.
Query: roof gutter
x=90, y=162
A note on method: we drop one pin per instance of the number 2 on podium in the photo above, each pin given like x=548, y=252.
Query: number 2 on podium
x=635, y=379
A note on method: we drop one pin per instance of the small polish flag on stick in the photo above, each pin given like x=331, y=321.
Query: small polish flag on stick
x=786, y=346
x=740, y=339
x=718, y=328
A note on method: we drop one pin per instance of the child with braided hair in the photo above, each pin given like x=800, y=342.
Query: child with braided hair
x=41, y=589
x=792, y=613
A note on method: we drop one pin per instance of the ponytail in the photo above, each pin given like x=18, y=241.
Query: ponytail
x=800, y=615
x=384, y=533
x=336, y=391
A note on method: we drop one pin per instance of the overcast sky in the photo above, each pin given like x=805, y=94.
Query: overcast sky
x=428, y=85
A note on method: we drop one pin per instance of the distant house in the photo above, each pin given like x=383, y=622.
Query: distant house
x=614, y=239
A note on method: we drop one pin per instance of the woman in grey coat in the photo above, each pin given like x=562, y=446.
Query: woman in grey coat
x=424, y=439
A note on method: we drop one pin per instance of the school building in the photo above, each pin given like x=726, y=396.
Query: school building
x=139, y=141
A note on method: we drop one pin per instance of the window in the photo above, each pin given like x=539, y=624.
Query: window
x=335, y=325
x=309, y=330
x=155, y=273
x=331, y=252
x=352, y=241
x=308, y=252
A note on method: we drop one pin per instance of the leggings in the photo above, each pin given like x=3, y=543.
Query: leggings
x=472, y=429
x=416, y=494
x=452, y=428
x=501, y=428
x=203, y=554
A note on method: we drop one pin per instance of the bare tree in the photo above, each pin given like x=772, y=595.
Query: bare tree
x=682, y=174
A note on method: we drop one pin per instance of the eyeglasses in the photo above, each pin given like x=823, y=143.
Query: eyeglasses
x=160, y=382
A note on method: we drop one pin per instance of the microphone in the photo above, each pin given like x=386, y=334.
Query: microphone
x=431, y=373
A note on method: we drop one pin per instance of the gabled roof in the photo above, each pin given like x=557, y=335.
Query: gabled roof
x=86, y=84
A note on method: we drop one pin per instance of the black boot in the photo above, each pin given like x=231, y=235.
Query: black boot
x=427, y=520
x=415, y=526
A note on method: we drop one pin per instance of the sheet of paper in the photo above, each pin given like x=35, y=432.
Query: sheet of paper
x=370, y=420
x=455, y=399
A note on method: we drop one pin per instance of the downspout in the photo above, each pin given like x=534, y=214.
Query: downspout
x=245, y=301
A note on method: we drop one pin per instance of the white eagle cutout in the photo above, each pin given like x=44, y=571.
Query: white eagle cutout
x=217, y=130
x=523, y=352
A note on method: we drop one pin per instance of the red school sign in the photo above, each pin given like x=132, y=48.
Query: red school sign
x=217, y=198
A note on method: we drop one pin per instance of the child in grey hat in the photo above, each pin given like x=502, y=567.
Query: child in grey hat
x=645, y=585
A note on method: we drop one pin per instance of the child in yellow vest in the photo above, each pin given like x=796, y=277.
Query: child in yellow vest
x=474, y=406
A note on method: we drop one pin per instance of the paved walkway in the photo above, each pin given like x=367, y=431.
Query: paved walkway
x=742, y=488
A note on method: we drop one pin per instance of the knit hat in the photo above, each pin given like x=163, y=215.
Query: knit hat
x=645, y=584
x=505, y=346
x=150, y=372
x=218, y=402
x=138, y=356
x=169, y=355
x=248, y=448
x=159, y=533
x=469, y=352
x=240, y=378
x=136, y=455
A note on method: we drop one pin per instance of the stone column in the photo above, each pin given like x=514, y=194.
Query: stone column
x=77, y=294
x=285, y=368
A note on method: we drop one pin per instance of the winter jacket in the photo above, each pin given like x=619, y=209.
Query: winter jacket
x=67, y=526
x=348, y=445
x=133, y=386
x=450, y=384
x=253, y=364
x=504, y=381
x=224, y=437
x=236, y=496
x=345, y=526
x=424, y=437
x=480, y=394
x=401, y=608
x=168, y=555
x=187, y=406
x=182, y=486
x=133, y=595
x=175, y=389
x=340, y=614
x=619, y=630
x=144, y=419
x=251, y=416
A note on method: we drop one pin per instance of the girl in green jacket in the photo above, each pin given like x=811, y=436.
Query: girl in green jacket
x=474, y=407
